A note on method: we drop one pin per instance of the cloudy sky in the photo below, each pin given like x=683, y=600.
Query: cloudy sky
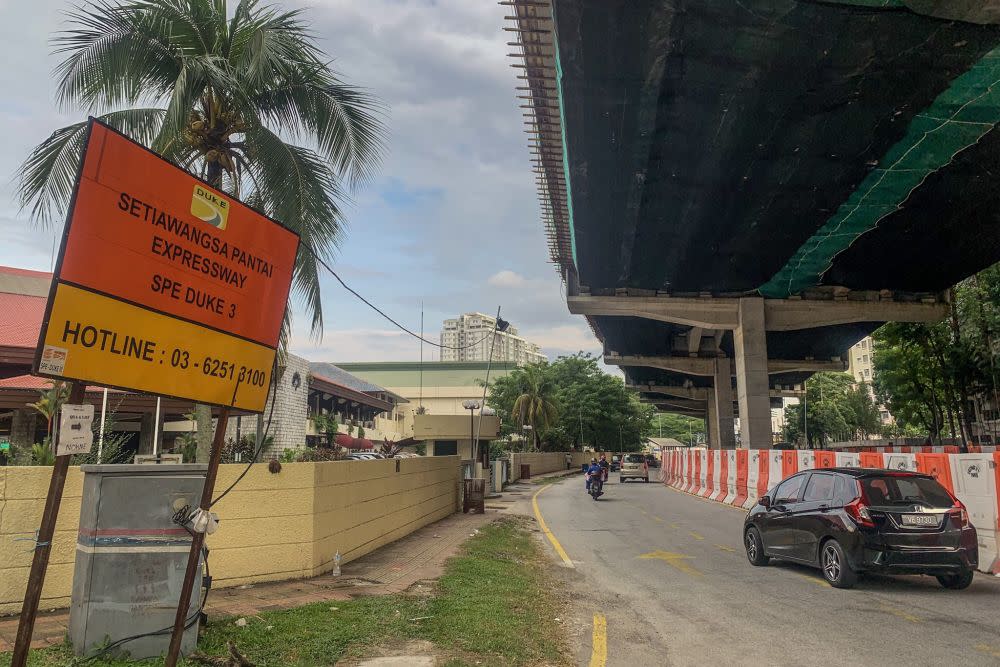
x=452, y=220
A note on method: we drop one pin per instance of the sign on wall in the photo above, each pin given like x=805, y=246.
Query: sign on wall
x=164, y=285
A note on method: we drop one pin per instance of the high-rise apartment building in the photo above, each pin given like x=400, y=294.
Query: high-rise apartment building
x=861, y=366
x=467, y=338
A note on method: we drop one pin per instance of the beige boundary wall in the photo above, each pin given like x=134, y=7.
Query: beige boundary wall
x=545, y=462
x=272, y=526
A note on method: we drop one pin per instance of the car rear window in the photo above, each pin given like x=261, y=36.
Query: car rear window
x=634, y=458
x=891, y=490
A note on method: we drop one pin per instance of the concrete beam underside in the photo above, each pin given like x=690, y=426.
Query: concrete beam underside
x=705, y=366
x=779, y=314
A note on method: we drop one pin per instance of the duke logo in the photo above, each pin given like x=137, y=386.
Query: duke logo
x=209, y=207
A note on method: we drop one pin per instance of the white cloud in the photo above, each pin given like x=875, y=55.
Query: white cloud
x=565, y=339
x=507, y=278
x=361, y=345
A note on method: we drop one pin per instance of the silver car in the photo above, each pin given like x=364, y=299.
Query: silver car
x=634, y=466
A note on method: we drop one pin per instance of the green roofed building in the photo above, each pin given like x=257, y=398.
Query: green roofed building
x=438, y=387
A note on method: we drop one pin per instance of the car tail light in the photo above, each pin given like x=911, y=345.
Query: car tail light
x=858, y=509
x=960, y=513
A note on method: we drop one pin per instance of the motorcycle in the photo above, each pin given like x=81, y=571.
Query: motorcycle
x=596, y=489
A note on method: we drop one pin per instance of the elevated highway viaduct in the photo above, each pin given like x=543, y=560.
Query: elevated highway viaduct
x=737, y=192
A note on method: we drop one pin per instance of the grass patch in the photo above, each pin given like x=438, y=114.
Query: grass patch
x=494, y=604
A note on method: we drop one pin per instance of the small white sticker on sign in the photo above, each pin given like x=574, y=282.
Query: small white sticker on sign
x=75, y=434
x=53, y=360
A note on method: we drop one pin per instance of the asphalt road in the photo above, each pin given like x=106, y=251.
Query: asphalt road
x=668, y=573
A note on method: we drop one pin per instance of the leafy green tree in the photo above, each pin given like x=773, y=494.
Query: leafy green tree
x=835, y=408
x=594, y=408
x=535, y=404
x=679, y=427
x=930, y=375
x=48, y=404
x=243, y=98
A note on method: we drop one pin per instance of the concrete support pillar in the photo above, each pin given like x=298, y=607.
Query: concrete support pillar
x=712, y=425
x=721, y=406
x=752, y=385
x=722, y=398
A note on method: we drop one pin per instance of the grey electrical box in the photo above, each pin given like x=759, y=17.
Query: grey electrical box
x=131, y=558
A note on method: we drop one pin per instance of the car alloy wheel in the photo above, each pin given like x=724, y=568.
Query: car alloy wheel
x=831, y=563
x=755, y=548
x=837, y=569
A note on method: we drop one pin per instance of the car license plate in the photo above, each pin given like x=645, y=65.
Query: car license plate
x=920, y=520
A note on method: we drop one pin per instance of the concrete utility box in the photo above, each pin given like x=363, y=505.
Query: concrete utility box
x=131, y=557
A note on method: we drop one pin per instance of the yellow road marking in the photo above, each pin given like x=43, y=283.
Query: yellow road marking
x=725, y=548
x=599, y=642
x=899, y=613
x=988, y=650
x=657, y=519
x=674, y=560
x=697, y=536
x=675, y=525
x=813, y=580
x=545, y=529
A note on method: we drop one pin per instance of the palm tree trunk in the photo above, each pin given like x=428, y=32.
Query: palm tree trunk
x=202, y=412
x=203, y=437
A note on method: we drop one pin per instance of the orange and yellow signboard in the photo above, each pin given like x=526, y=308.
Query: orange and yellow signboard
x=164, y=285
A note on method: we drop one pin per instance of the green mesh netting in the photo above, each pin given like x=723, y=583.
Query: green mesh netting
x=957, y=119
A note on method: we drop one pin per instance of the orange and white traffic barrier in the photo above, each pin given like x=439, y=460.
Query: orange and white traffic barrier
x=701, y=467
x=718, y=475
x=708, y=465
x=939, y=466
x=741, y=478
x=688, y=471
x=757, y=469
x=848, y=459
x=894, y=461
x=871, y=460
x=789, y=463
x=727, y=476
x=805, y=459
x=775, y=468
x=976, y=478
x=825, y=459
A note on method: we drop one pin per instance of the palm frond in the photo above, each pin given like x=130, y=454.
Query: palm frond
x=47, y=176
x=267, y=46
x=297, y=187
x=116, y=56
x=344, y=121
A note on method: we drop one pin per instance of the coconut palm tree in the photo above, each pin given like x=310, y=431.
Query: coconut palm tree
x=242, y=98
x=535, y=405
x=224, y=95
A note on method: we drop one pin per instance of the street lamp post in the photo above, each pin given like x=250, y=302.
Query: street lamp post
x=484, y=451
x=472, y=406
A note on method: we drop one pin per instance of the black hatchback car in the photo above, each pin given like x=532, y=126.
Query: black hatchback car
x=851, y=520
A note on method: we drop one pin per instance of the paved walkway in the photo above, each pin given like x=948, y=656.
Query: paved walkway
x=414, y=560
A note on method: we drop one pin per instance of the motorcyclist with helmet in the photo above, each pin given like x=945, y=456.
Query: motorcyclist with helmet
x=595, y=475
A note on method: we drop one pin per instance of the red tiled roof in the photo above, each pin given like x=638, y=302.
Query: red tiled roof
x=20, y=319
x=12, y=271
x=33, y=382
